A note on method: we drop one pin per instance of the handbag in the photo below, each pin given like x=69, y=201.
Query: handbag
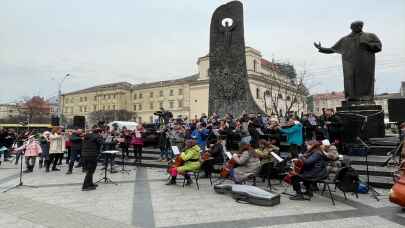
x=397, y=192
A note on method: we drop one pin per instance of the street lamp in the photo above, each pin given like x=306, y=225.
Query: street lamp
x=60, y=112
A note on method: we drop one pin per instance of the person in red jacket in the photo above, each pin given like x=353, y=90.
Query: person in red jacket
x=137, y=143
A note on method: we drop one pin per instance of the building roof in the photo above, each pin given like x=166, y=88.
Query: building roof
x=128, y=86
x=117, y=85
x=388, y=96
x=188, y=79
x=282, y=68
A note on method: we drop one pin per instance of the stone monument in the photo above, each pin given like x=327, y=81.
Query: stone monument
x=361, y=117
x=229, y=90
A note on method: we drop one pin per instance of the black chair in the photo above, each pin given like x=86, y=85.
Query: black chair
x=196, y=175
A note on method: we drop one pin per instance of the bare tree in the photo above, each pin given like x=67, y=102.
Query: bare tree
x=36, y=110
x=111, y=115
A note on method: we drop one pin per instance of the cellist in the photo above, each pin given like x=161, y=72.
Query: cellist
x=190, y=162
x=314, y=168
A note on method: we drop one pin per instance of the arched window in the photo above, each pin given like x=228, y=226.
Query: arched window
x=257, y=93
x=254, y=65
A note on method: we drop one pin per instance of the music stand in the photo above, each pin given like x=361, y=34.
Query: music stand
x=107, y=154
x=374, y=193
x=123, y=170
x=20, y=184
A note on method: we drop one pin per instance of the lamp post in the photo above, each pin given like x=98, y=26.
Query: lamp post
x=60, y=111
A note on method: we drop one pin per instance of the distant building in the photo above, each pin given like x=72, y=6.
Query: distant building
x=188, y=96
x=402, y=90
x=9, y=111
x=327, y=101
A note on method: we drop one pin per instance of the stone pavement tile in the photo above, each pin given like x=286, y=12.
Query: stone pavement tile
x=50, y=215
x=355, y=222
x=10, y=221
x=172, y=203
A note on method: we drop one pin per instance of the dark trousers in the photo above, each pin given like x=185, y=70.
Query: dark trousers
x=208, y=167
x=69, y=152
x=74, y=154
x=138, y=152
x=293, y=150
x=296, y=180
x=53, y=159
x=125, y=150
x=90, y=164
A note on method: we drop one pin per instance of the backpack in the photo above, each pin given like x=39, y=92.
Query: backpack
x=347, y=179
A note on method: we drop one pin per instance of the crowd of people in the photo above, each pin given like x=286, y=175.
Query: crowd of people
x=203, y=143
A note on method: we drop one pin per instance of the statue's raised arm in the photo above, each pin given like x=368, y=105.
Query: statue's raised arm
x=322, y=49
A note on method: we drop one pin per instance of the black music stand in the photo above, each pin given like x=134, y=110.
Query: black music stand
x=107, y=155
x=374, y=193
x=123, y=170
x=20, y=184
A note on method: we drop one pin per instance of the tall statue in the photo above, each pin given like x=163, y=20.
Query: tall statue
x=358, y=56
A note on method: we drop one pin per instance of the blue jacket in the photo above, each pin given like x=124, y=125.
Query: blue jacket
x=294, y=134
x=201, y=137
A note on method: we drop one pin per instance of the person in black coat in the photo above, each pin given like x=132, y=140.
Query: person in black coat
x=92, y=143
x=315, y=168
x=76, y=149
x=215, y=155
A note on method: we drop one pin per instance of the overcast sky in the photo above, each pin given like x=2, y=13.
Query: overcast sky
x=103, y=41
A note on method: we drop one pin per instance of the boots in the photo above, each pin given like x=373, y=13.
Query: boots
x=188, y=180
x=172, y=181
x=70, y=169
x=40, y=163
x=47, y=165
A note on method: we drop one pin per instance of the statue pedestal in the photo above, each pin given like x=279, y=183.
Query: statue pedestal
x=365, y=121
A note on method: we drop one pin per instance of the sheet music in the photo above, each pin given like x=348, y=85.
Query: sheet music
x=228, y=154
x=175, y=150
x=278, y=158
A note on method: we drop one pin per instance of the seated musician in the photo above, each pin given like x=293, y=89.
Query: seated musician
x=314, y=168
x=215, y=155
x=266, y=159
x=190, y=162
x=247, y=163
x=332, y=156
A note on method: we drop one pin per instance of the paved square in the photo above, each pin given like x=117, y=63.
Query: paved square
x=141, y=199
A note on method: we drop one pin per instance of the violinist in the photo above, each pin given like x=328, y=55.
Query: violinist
x=266, y=159
x=314, y=168
x=247, y=163
x=215, y=155
x=190, y=162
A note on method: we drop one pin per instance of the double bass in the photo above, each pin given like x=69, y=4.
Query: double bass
x=397, y=192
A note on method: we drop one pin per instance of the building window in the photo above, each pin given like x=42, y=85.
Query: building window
x=114, y=96
x=95, y=98
x=140, y=107
x=151, y=119
x=85, y=108
x=109, y=96
x=140, y=96
x=85, y=99
x=151, y=105
x=171, y=92
x=135, y=96
x=113, y=107
x=180, y=91
x=81, y=99
x=108, y=107
x=140, y=119
x=95, y=108
x=161, y=93
x=151, y=94
x=288, y=98
x=81, y=109
x=103, y=107
x=160, y=104
x=254, y=65
x=180, y=103
x=257, y=93
x=171, y=104
x=134, y=107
